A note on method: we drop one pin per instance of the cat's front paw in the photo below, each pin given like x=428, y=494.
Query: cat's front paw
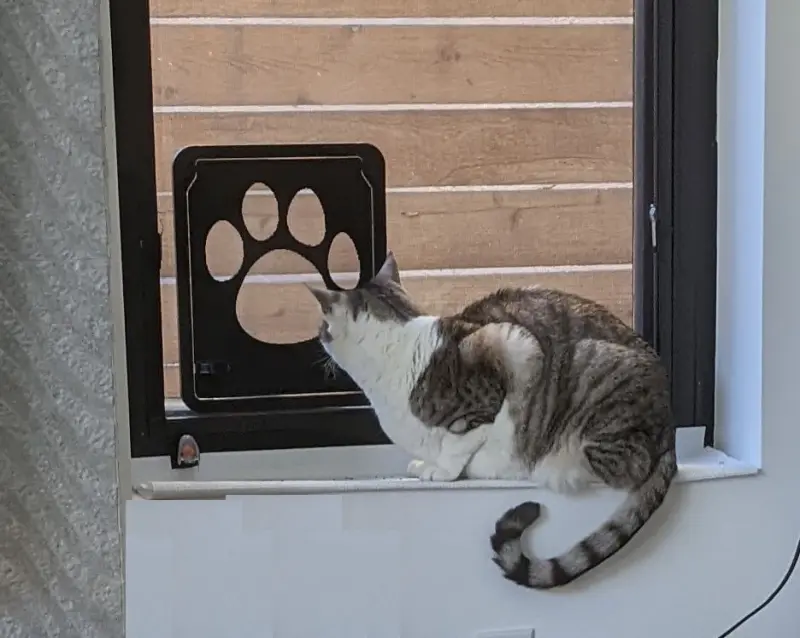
x=435, y=473
x=417, y=467
x=430, y=472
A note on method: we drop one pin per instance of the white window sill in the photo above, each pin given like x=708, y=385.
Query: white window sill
x=708, y=464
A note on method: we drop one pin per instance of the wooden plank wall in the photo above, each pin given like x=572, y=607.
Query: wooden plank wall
x=506, y=126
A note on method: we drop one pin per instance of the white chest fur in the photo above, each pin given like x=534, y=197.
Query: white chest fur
x=408, y=432
x=399, y=354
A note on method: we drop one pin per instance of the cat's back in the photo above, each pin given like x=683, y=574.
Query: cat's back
x=552, y=315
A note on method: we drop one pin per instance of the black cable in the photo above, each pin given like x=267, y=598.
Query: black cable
x=771, y=596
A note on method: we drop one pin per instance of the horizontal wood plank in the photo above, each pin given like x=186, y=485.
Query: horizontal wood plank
x=432, y=148
x=504, y=228
x=283, y=313
x=402, y=65
x=390, y=8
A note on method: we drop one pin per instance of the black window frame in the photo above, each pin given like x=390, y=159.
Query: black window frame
x=675, y=169
x=676, y=46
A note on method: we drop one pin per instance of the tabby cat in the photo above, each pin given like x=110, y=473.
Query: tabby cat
x=525, y=383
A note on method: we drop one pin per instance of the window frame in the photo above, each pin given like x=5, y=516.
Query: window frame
x=675, y=171
x=675, y=139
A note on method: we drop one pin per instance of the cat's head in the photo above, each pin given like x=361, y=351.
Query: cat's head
x=354, y=321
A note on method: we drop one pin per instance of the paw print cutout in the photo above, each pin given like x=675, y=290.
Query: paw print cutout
x=252, y=225
x=287, y=314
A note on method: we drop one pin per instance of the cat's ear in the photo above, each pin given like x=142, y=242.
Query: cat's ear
x=325, y=298
x=389, y=271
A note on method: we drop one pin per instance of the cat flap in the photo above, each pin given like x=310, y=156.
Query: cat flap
x=222, y=367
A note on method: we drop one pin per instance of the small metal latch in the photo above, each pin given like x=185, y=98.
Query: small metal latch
x=188, y=452
x=211, y=368
x=652, y=213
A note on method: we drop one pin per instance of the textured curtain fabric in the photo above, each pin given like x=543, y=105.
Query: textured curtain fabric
x=60, y=557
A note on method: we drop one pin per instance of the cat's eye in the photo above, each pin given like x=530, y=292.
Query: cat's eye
x=324, y=332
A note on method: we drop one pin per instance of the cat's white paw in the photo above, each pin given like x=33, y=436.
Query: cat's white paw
x=430, y=471
x=417, y=467
x=436, y=473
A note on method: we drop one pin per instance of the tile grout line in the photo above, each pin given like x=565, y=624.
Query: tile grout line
x=485, y=21
x=225, y=109
x=477, y=188
x=299, y=278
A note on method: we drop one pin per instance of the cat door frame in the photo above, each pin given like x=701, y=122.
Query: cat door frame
x=674, y=218
x=223, y=369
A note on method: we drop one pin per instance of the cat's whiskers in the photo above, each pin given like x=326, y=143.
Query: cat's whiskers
x=328, y=366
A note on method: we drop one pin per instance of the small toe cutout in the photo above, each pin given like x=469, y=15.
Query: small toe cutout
x=343, y=261
x=306, y=218
x=224, y=251
x=260, y=211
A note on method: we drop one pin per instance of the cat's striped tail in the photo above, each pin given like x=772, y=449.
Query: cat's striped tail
x=601, y=544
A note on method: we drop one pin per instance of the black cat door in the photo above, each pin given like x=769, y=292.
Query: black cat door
x=223, y=368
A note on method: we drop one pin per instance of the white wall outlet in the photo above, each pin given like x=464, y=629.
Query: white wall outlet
x=508, y=633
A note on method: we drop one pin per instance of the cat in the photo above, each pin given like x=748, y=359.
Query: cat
x=525, y=383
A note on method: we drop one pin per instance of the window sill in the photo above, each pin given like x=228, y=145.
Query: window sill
x=709, y=464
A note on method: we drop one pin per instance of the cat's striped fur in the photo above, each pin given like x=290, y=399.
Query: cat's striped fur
x=524, y=383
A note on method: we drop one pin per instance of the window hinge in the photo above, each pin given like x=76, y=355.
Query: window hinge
x=651, y=213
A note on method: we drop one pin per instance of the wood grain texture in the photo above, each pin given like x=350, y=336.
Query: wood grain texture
x=460, y=230
x=172, y=382
x=391, y=8
x=431, y=148
x=287, y=312
x=377, y=65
